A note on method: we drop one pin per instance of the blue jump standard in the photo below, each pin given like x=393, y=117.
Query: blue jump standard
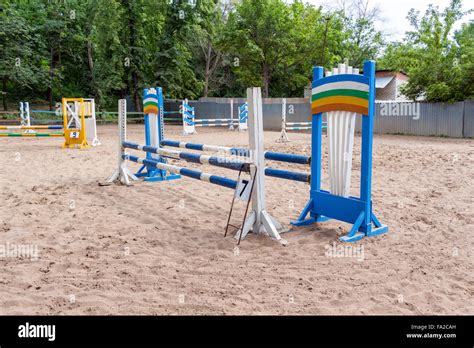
x=272, y=156
x=214, y=179
x=322, y=204
x=151, y=173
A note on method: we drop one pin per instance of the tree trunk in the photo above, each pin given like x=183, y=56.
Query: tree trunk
x=136, y=96
x=207, y=72
x=266, y=80
x=132, y=41
x=5, y=106
x=90, y=61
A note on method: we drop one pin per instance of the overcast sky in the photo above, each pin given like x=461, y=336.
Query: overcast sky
x=394, y=13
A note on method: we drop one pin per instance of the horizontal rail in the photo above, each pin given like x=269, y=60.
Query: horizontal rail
x=194, y=174
x=215, y=124
x=273, y=156
x=214, y=120
x=191, y=157
x=234, y=151
x=287, y=157
x=32, y=127
x=285, y=174
x=44, y=112
x=31, y=134
x=39, y=120
x=298, y=128
x=298, y=123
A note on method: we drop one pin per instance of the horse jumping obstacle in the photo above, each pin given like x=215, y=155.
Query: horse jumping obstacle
x=190, y=122
x=77, y=114
x=291, y=126
x=80, y=122
x=32, y=131
x=341, y=94
x=29, y=130
x=259, y=220
x=25, y=116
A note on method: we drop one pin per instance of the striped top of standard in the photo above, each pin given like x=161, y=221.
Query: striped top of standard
x=344, y=92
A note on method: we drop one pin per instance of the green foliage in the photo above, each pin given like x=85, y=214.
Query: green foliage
x=269, y=40
x=19, y=65
x=115, y=48
x=174, y=61
x=439, y=67
x=364, y=42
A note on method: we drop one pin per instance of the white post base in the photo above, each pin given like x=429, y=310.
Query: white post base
x=283, y=137
x=268, y=225
x=95, y=142
x=121, y=175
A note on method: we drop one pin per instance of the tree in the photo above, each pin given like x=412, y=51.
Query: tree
x=209, y=28
x=174, y=62
x=271, y=39
x=362, y=41
x=438, y=66
x=18, y=66
x=465, y=61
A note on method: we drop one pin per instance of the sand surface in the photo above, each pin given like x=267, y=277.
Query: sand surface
x=158, y=248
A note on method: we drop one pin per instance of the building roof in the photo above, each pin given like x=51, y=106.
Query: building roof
x=391, y=71
x=382, y=82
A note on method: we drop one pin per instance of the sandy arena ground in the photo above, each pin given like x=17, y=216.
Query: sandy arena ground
x=158, y=248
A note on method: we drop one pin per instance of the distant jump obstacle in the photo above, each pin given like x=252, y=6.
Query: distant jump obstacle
x=79, y=124
x=190, y=122
x=29, y=130
x=342, y=94
x=25, y=116
x=291, y=126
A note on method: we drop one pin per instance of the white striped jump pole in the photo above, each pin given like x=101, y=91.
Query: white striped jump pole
x=236, y=151
x=298, y=128
x=190, y=173
x=204, y=120
x=191, y=157
x=222, y=161
x=298, y=123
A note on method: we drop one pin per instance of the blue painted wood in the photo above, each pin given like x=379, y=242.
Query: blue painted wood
x=336, y=207
x=366, y=149
x=151, y=173
x=214, y=179
x=285, y=174
x=191, y=157
x=274, y=156
x=287, y=157
x=322, y=204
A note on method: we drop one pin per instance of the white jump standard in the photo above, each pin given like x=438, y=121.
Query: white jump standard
x=291, y=126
